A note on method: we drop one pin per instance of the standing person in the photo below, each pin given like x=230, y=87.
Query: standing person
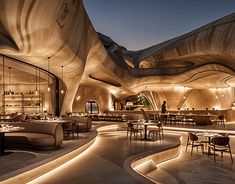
x=164, y=110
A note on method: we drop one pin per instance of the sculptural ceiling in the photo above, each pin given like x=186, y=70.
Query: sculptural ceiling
x=35, y=30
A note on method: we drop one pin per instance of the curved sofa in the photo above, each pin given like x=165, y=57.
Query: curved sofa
x=40, y=135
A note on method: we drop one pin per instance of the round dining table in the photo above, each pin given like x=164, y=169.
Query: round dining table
x=208, y=135
x=145, y=124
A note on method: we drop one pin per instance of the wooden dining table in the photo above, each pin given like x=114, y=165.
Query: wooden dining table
x=208, y=135
x=145, y=124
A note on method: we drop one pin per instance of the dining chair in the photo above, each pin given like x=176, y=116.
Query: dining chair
x=220, y=120
x=194, y=142
x=157, y=131
x=221, y=144
x=133, y=130
x=70, y=126
x=146, y=117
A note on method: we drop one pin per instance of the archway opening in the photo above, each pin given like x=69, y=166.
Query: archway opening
x=92, y=107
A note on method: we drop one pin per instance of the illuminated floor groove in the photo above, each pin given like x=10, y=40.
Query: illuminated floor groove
x=187, y=169
x=103, y=163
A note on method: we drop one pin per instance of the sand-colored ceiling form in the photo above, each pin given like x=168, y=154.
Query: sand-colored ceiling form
x=201, y=59
x=34, y=30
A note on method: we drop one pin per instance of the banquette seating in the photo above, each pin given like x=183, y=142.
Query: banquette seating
x=40, y=135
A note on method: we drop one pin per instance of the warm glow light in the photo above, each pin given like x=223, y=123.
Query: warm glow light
x=78, y=97
x=129, y=103
x=178, y=129
x=217, y=107
x=48, y=89
x=113, y=91
x=62, y=91
x=216, y=97
x=184, y=97
x=36, y=92
x=51, y=173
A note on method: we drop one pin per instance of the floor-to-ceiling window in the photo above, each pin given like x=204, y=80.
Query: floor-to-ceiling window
x=25, y=88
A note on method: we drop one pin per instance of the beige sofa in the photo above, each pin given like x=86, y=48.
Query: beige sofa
x=84, y=122
x=40, y=135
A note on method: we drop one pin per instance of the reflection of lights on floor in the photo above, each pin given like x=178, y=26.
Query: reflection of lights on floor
x=197, y=130
x=51, y=173
x=77, y=158
x=109, y=127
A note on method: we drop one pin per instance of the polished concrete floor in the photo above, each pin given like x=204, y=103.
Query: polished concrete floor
x=187, y=169
x=19, y=159
x=103, y=162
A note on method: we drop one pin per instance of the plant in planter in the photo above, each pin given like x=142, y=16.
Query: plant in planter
x=69, y=113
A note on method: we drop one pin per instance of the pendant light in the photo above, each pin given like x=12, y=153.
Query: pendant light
x=3, y=85
x=48, y=70
x=62, y=76
x=36, y=90
x=223, y=92
x=216, y=94
x=184, y=93
x=9, y=68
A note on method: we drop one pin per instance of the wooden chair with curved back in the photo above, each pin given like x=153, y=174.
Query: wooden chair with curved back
x=221, y=144
x=133, y=130
x=70, y=126
x=158, y=131
x=220, y=120
x=146, y=117
x=193, y=141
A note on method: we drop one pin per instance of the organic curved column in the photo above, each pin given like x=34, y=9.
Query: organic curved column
x=70, y=95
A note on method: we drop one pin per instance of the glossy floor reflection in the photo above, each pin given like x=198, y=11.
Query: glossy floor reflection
x=187, y=169
x=103, y=162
